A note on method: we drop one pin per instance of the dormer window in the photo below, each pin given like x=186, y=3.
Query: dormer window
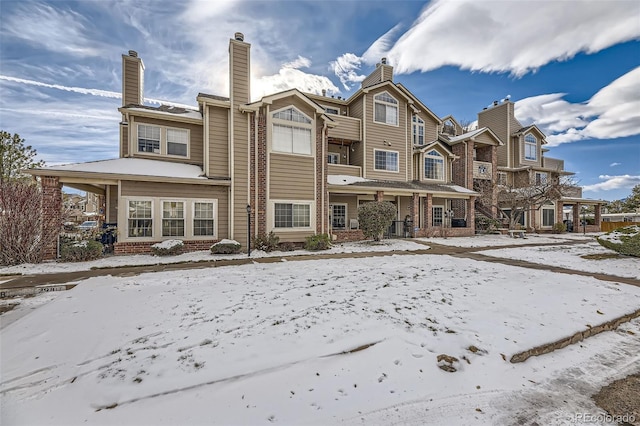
x=291, y=132
x=149, y=139
x=161, y=140
x=530, y=147
x=433, y=165
x=385, y=109
x=418, y=130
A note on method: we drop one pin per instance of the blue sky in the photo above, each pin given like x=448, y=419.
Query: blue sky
x=572, y=67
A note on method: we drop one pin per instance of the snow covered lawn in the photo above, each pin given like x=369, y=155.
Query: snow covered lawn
x=490, y=240
x=315, y=342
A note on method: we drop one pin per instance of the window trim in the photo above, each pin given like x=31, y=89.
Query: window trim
x=529, y=143
x=548, y=207
x=128, y=218
x=183, y=219
x=540, y=180
x=333, y=155
x=417, y=123
x=272, y=219
x=293, y=125
x=327, y=107
x=163, y=141
x=444, y=165
x=386, y=104
x=387, y=151
x=214, y=218
x=346, y=215
x=433, y=215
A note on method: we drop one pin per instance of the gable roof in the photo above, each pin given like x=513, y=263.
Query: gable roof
x=267, y=100
x=432, y=145
x=530, y=128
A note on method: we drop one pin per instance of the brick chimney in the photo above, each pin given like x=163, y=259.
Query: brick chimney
x=132, y=79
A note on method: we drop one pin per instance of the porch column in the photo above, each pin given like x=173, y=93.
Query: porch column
x=51, y=216
x=415, y=214
x=559, y=211
x=379, y=196
x=471, y=221
x=598, y=216
x=576, y=217
x=494, y=178
x=428, y=214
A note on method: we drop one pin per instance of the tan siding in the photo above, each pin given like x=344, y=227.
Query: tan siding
x=112, y=204
x=355, y=108
x=293, y=101
x=515, y=151
x=341, y=169
x=430, y=128
x=124, y=140
x=195, y=140
x=495, y=118
x=373, y=78
x=219, y=141
x=387, y=72
x=377, y=133
x=292, y=237
x=131, y=81
x=485, y=139
x=291, y=177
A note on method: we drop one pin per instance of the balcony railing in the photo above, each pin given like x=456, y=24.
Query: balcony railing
x=553, y=163
x=482, y=170
x=346, y=128
x=344, y=169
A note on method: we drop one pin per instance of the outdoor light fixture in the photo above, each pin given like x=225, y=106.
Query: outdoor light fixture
x=248, y=230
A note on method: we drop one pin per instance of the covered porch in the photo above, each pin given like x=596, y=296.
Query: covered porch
x=581, y=215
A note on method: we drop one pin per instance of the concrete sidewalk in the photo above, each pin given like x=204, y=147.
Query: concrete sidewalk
x=33, y=284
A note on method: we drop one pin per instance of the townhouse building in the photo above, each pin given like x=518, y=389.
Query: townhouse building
x=292, y=163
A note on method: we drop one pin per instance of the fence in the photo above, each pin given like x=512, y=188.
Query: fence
x=610, y=226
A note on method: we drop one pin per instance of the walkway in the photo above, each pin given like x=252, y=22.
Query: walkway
x=31, y=281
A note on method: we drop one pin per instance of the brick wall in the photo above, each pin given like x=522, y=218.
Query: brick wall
x=139, y=247
x=349, y=235
x=51, y=215
x=322, y=208
x=260, y=173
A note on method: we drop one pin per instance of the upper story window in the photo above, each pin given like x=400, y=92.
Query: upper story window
x=530, y=147
x=289, y=137
x=148, y=139
x=333, y=158
x=541, y=178
x=433, y=165
x=385, y=160
x=332, y=110
x=385, y=109
x=418, y=130
x=163, y=140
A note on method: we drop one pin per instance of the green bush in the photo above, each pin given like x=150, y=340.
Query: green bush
x=80, y=251
x=624, y=240
x=267, y=243
x=375, y=218
x=226, y=247
x=559, y=228
x=317, y=242
x=286, y=246
x=168, y=248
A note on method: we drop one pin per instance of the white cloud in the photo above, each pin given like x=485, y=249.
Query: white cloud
x=613, y=182
x=345, y=68
x=290, y=77
x=615, y=164
x=487, y=36
x=57, y=30
x=613, y=112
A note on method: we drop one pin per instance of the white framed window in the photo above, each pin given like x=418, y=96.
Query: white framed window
x=502, y=178
x=339, y=216
x=333, y=158
x=148, y=138
x=292, y=138
x=163, y=140
x=541, y=178
x=385, y=109
x=204, y=219
x=418, y=130
x=332, y=110
x=292, y=215
x=530, y=147
x=385, y=160
x=177, y=142
x=140, y=218
x=173, y=219
x=437, y=215
x=548, y=215
x=433, y=165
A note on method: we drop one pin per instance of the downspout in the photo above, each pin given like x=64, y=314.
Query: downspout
x=231, y=173
x=206, y=141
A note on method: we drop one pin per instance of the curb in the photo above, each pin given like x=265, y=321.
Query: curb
x=32, y=291
x=575, y=338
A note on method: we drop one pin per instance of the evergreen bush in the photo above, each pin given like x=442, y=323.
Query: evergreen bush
x=226, y=247
x=318, y=242
x=80, y=251
x=624, y=240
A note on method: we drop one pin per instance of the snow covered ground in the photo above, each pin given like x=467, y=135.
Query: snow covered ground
x=332, y=341
x=505, y=240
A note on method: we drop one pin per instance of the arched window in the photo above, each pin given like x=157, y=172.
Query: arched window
x=291, y=132
x=530, y=147
x=433, y=165
x=418, y=130
x=385, y=109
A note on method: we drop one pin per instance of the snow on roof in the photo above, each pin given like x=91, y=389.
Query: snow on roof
x=344, y=179
x=466, y=135
x=460, y=189
x=182, y=112
x=135, y=166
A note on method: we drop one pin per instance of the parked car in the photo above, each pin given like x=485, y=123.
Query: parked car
x=88, y=225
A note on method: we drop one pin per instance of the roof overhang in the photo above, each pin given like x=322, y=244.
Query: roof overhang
x=102, y=178
x=159, y=115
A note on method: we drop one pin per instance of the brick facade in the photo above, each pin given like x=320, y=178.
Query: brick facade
x=51, y=215
x=139, y=247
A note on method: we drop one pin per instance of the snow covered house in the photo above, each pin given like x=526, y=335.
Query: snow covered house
x=294, y=163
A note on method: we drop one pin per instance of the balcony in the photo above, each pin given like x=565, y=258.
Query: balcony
x=344, y=169
x=553, y=164
x=482, y=170
x=347, y=128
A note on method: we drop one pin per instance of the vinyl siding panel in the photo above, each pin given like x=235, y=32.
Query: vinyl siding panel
x=373, y=78
x=293, y=101
x=377, y=133
x=292, y=237
x=485, y=139
x=355, y=108
x=291, y=177
x=219, y=141
x=430, y=128
x=131, y=83
x=496, y=118
x=195, y=140
x=124, y=140
x=112, y=204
